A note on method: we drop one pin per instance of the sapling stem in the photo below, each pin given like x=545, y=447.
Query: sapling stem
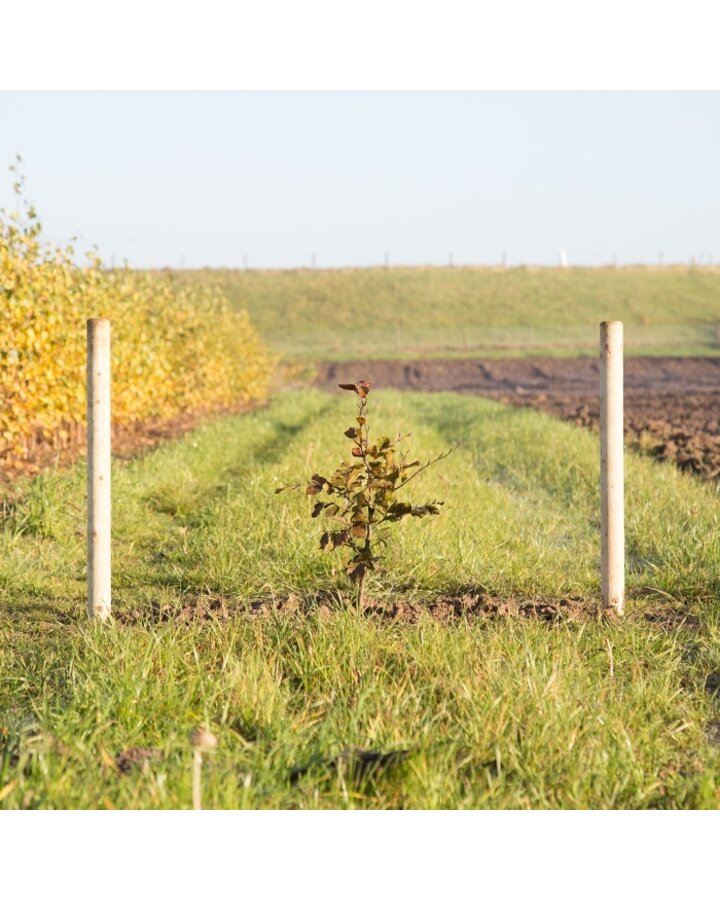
x=361, y=593
x=361, y=580
x=362, y=442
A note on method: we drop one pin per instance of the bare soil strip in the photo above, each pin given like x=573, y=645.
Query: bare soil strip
x=466, y=605
x=470, y=605
x=672, y=404
x=128, y=441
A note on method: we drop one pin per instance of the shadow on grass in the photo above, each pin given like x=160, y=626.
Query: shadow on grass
x=27, y=603
x=189, y=506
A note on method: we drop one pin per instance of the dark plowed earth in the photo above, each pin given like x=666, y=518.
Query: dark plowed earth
x=672, y=405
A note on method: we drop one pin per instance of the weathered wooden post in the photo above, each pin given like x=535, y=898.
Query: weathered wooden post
x=612, y=500
x=98, y=468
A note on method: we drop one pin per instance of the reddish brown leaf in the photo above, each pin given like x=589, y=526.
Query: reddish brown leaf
x=287, y=487
x=355, y=572
x=397, y=511
x=316, y=484
x=430, y=509
x=357, y=567
x=363, y=388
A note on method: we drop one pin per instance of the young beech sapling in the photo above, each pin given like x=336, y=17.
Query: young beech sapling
x=358, y=501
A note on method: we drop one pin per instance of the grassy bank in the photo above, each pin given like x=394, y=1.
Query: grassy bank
x=499, y=713
x=406, y=312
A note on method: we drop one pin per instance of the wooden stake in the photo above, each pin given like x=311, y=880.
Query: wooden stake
x=196, y=779
x=612, y=549
x=98, y=472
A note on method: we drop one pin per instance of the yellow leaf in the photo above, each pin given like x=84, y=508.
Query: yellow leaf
x=106, y=758
x=8, y=788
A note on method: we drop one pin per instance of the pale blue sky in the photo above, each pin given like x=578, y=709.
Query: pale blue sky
x=206, y=178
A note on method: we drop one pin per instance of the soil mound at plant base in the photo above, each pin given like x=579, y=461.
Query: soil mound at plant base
x=672, y=404
x=472, y=606
x=442, y=609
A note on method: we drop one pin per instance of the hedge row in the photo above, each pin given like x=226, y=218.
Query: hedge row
x=174, y=350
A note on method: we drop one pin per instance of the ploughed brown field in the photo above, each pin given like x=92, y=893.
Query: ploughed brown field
x=672, y=404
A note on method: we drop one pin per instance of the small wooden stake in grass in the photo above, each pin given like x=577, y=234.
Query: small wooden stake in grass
x=612, y=549
x=202, y=740
x=98, y=471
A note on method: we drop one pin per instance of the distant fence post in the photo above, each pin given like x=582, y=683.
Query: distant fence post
x=98, y=468
x=612, y=501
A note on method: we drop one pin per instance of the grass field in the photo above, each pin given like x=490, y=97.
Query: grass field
x=407, y=312
x=494, y=713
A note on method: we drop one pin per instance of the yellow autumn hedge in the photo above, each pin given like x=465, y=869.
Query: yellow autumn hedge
x=173, y=349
